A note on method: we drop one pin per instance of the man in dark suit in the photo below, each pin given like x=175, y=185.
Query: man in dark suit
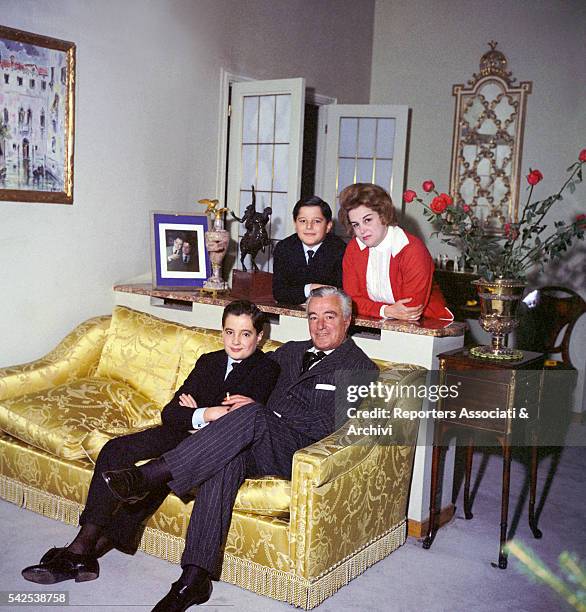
x=240, y=369
x=250, y=440
x=310, y=258
x=186, y=261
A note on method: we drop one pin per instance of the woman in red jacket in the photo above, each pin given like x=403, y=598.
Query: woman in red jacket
x=387, y=272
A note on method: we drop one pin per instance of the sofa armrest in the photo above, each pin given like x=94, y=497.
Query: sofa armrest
x=76, y=356
x=347, y=490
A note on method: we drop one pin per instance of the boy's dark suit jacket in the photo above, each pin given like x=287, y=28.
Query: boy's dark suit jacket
x=254, y=377
x=291, y=272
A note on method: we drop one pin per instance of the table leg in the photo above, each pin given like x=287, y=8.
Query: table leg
x=433, y=507
x=532, y=491
x=469, y=455
x=505, y=504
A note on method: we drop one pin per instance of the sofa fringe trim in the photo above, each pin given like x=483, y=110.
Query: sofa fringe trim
x=153, y=542
x=162, y=545
x=274, y=583
x=304, y=593
x=41, y=502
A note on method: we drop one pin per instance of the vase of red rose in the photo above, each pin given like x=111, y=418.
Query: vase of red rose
x=503, y=258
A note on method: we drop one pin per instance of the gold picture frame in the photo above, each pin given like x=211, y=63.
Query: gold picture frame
x=37, y=116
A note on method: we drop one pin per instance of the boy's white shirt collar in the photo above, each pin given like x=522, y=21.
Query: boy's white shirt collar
x=313, y=248
x=395, y=240
x=231, y=362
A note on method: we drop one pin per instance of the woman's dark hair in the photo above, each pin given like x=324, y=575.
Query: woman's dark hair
x=313, y=201
x=369, y=195
x=244, y=307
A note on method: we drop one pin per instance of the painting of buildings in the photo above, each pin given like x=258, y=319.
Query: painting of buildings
x=33, y=119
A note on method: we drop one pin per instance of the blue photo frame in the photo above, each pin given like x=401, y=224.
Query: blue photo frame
x=179, y=257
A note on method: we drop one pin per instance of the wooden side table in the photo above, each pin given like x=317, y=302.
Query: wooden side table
x=487, y=385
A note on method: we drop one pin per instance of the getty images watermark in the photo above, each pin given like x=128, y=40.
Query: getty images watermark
x=389, y=410
x=388, y=393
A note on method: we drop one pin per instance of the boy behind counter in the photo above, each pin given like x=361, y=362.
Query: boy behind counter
x=310, y=258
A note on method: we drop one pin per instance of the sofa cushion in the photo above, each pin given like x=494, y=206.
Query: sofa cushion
x=144, y=352
x=196, y=342
x=57, y=420
x=265, y=495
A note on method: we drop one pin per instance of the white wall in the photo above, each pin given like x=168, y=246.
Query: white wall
x=422, y=47
x=148, y=78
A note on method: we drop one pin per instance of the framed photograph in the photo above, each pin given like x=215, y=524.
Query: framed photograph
x=179, y=256
x=37, y=95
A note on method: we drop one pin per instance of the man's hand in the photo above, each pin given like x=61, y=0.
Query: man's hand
x=233, y=402
x=214, y=412
x=187, y=401
x=398, y=310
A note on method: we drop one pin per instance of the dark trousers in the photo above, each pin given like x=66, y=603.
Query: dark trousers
x=121, y=522
x=251, y=441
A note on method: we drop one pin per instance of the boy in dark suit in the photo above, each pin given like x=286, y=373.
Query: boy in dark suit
x=310, y=258
x=240, y=369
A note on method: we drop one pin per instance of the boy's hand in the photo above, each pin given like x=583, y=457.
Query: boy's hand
x=187, y=401
x=232, y=402
x=214, y=412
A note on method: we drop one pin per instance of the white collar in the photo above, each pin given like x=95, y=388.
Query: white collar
x=315, y=350
x=313, y=248
x=395, y=241
x=231, y=362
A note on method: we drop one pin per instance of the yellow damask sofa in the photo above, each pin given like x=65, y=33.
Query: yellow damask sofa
x=298, y=541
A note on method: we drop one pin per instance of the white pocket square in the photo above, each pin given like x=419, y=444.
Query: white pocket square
x=325, y=387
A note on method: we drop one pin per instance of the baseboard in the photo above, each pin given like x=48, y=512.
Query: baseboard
x=417, y=529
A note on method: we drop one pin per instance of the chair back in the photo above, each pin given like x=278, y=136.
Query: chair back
x=546, y=313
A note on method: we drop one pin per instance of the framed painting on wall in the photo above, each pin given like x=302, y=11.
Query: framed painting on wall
x=37, y=112
x=179, y=256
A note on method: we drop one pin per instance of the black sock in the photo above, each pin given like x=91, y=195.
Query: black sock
x=192, y=574
x=103, y=545
x=85, y=541
x=155, y=473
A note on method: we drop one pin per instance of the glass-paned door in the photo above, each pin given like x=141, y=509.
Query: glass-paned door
x=266, y=140
x=365, y=144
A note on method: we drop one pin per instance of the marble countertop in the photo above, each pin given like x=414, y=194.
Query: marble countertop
x=424, y=327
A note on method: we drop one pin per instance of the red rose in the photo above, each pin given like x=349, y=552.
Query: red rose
x=466, y=208
x=438, y=205
x=511, y=231
x=447, y=199
x=428, y=186
x=582, y=156
x=409, y=196
x=581, y=219
x=534, y=177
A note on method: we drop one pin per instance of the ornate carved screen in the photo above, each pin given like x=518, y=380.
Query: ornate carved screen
x=487, y=144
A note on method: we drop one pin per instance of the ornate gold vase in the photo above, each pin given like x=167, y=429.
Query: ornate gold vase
x=499, y=302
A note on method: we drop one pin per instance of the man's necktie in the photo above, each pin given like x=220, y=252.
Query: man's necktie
x=309, y=358
x=310, y=255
